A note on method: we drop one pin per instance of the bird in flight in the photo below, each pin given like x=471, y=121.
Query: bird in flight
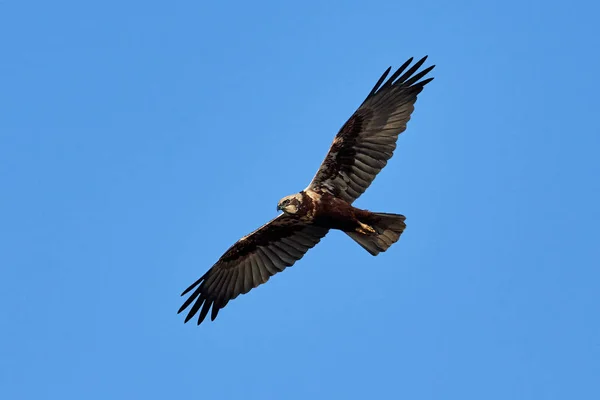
x=359, y=151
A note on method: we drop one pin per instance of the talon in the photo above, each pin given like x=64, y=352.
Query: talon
x=364, y=229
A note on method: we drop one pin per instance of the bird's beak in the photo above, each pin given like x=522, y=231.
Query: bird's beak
x=278, y=207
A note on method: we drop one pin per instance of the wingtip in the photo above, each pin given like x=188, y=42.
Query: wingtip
x=188, y=317
x=186, y=291
x=193, y=285
x=200, y=319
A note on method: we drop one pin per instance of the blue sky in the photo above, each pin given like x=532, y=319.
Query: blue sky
x=139, y=140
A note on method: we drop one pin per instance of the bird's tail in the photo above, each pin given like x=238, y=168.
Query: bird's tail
x=388, y=228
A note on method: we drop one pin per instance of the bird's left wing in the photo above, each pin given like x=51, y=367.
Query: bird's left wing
x=367, y=140
x=251, y=262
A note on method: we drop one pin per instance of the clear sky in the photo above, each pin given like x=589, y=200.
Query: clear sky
x=140, y=139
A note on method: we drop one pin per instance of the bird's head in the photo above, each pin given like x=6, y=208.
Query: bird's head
x=290, y=204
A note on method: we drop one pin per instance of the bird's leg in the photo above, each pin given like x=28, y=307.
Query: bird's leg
x=365, y=229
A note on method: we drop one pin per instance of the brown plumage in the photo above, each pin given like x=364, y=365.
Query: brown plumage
x=359, y=151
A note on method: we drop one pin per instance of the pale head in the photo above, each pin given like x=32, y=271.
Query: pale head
x=290, y=204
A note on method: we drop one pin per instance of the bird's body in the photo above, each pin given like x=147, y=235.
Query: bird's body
x=359, y=151
x=335, y=213
x=328, y=211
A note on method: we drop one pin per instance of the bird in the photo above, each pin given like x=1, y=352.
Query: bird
x=360, y=150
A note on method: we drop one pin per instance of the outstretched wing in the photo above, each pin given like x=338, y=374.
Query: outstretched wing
x=368, y=139
x=251, y=262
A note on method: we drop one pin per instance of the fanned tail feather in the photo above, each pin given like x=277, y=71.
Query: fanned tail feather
x=388, y=228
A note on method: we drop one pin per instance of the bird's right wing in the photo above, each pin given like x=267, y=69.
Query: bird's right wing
x=251, y=262
x=367, y=140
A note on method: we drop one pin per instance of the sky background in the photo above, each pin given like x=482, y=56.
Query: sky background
x=140, y=139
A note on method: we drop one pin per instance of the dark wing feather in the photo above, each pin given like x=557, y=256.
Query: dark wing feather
x=368, y=139
x=251, y=262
